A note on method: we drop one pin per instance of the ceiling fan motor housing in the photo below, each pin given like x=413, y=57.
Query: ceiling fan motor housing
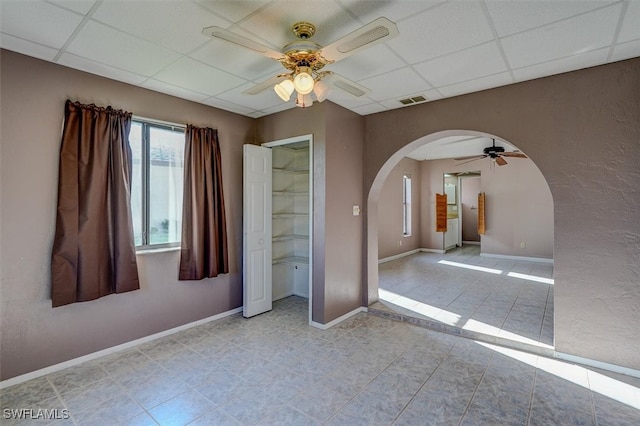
x=493, y=151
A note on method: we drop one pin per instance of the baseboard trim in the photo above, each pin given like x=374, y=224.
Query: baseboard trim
x=94, y=355
x=339, y=319
x=430, y=250
x=471, y=243
x=597, y=364
x=525, y=258
x=398, y=256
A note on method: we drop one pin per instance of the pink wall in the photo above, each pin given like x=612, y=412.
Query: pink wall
x=582, y=130
x=34, y=335
x=390, y=210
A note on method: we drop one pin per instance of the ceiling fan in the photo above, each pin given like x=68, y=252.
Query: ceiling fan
x=305, y=59
x=494, y=152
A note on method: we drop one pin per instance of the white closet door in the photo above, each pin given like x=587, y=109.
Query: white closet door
x=257, y=261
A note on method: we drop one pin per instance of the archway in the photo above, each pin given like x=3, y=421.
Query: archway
x=512, y=211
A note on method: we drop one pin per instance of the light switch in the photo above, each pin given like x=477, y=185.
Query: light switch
x=356, y=210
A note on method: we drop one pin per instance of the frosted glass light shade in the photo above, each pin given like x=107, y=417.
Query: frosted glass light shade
x=303, y=82
x=304, y=101
x=321, y=90
x=284, y=89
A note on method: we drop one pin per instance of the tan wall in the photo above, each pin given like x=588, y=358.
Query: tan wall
x=34, y=335
x=343, y=239
x=582, y=130
x=519, y=206
x=390, y=210
x=337, y=186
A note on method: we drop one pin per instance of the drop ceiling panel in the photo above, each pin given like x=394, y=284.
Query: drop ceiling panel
x=169, y=89
x=100, y=69
x=369, y=109
x=228, y=106
x=198, y=77
x=626, y=51
x=81, y=6
x=431, y=95
x=581, y=34
x=476, y=85
x=274, y=22
x=27, y=47
x=374, y=61
x=569, y=63
x=174, y=25
x=265, y=99
x=233, y=10
x=469, y=64
x=631, y=24
x=458, y=45
x=443, y=29
x=367, y=10
x=109, y=46
x=38, y=22
x=236, y=60
x=394, y=85
x=510, y=17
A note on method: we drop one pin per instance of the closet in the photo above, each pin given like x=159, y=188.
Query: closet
x=290, y=220
x=277, y=222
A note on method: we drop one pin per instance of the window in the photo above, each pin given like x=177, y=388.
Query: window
x=406, y=205
x=156, y=185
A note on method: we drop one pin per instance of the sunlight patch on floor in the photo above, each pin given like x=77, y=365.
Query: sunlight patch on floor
x=452, y=319
x=527, y=277
x=531, y=277
x=588, y=379
x=473, y=267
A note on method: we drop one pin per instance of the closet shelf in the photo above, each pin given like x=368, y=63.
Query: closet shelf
x=291, y=237
x=291, y=171
x=289, y=215
x=291, y=192
x=291, y=259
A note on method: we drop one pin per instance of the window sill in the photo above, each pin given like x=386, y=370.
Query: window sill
x=145, y=251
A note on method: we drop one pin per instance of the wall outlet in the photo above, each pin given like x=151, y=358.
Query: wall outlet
x=523, y=244
x=356, y=210
x=399, y=243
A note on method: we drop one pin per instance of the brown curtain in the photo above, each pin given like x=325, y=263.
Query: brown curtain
x=441, y=213
x=204, y=250
x=481, y=222
x=93, y=251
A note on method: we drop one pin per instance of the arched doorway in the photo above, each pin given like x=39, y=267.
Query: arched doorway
x=511, y=276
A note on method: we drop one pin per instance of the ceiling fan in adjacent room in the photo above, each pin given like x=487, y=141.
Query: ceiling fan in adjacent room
x=496, y=153
x=305, y=59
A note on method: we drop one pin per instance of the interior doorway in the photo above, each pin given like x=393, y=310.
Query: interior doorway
x=278, y=225
x=495, y=284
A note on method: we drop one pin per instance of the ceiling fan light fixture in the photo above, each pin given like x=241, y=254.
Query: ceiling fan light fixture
x=304, y=101
x=284, y=89
x=303, y=81
x=321, y=90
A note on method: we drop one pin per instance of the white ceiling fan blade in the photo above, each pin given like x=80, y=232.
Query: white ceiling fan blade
x=267, y=84
x=346, y=85
x=241, y=41
x=373, y=33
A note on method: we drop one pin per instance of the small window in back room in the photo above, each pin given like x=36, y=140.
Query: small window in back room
x=406, y=205
x=156, y=185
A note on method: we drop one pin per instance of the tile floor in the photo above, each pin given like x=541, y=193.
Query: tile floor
x=504, y=298
x=276, y=370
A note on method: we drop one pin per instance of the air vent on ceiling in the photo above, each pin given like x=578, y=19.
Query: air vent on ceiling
x=413, y=100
